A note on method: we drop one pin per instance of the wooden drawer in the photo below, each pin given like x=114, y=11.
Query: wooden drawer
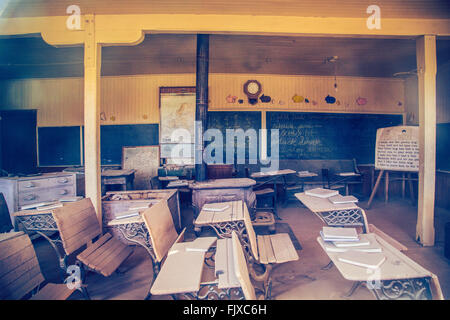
x=29, y=185
x=42, y=195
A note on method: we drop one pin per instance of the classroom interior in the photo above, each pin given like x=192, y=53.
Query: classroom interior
x=83, y=112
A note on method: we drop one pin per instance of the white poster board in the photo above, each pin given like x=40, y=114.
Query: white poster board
x=143, y=159
x=397, y=149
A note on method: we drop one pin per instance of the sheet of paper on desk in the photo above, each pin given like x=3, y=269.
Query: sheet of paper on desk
x=216, y=208
x=53, y=206
x=344, y=234
x=348, y=174
x=363, y=259
x=36, y=205
x=70, y=199
x=140, y=207
x=127, y=215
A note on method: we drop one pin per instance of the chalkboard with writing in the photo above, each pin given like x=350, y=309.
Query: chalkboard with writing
x=313, y=135
x=244, y=120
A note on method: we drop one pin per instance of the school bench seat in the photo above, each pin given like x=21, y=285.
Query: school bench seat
x=78, y=227
x=267, y=250
x=20, y=273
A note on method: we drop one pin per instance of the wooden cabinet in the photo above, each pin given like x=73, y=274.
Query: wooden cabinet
x=21, y=191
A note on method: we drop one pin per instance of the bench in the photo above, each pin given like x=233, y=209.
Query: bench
x=78, y=228
x=20, y=273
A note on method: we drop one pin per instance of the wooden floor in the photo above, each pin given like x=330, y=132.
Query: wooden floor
x=302, y=279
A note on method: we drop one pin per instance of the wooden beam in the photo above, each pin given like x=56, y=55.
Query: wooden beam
x=426, y=73
x=92, y=66
x=128, y=28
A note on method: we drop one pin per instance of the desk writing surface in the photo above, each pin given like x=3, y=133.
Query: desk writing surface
x=223, y=183
x=135, y=219
x=316, y=204
x=232, y=213
x=181, y=272
x=272, y=173
x=396, y=266
x=307, y=174
x=117, y=173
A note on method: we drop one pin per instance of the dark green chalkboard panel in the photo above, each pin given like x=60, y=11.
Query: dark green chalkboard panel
x=306, y=135
x=244, y=120
x=59, y=146
x=442, y=146
x=114, y=137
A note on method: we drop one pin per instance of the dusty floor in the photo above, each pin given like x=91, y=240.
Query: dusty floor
x=302, y=279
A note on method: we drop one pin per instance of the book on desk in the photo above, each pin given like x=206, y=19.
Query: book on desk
x=337, y=199
x=321, y=192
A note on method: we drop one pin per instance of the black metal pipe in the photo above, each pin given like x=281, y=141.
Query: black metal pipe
x=201, y=103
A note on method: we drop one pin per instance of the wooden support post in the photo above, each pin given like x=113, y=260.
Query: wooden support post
x=375, y=188
x=201, y=106
x=426, y=73
x=92, y=65
x=386, y=187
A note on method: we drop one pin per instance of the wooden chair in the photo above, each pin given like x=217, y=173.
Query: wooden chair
x=266, y=196
x=78, y=227
x=267, y=250
x=20, y=273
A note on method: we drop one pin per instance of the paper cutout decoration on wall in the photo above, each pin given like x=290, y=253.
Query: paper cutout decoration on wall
x=241, y=101
x=297, y=99
x=281, y=102
x=102, y=116
x=329, y=99
x=314, y=102
x=338, y=103
x=306, y=100
x=265, y=99
x=253, y=101
x=231, y=99
x=361, y=101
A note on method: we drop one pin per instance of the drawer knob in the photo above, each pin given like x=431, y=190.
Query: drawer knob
x=30, y=197
x=29, y=185
x=63, y=180
x=63, y=192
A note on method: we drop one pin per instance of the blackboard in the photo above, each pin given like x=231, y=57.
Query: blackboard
x=114, y=137
x=59, y=146
x=304, y=135
x=442, y=146
x=244, y=120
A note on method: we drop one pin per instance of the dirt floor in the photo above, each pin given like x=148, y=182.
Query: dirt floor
x=302, y=279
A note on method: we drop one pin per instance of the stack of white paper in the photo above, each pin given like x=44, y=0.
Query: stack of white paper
x=339, y=234
x=342, y=199
x=321, y=193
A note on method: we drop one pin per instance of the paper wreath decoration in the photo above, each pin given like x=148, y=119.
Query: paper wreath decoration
x=265, y=99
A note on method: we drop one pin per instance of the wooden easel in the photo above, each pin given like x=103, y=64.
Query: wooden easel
x=410, y=179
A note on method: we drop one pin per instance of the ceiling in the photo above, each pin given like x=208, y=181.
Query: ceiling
x=425, y=9
x=31, y=57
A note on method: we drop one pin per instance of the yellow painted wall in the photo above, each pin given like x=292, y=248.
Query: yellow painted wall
x=135, y=99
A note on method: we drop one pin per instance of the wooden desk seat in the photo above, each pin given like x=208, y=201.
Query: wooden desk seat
x=263, y=192
x=21, y=274
x=78, y=226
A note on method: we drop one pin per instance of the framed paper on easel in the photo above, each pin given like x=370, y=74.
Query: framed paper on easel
x=397, y=149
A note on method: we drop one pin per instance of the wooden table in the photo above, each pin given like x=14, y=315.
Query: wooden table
x=335, y=215
x=398, y=277
x=167, y=180
x=221, y=190
x=124, y=178
x=223, y=222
